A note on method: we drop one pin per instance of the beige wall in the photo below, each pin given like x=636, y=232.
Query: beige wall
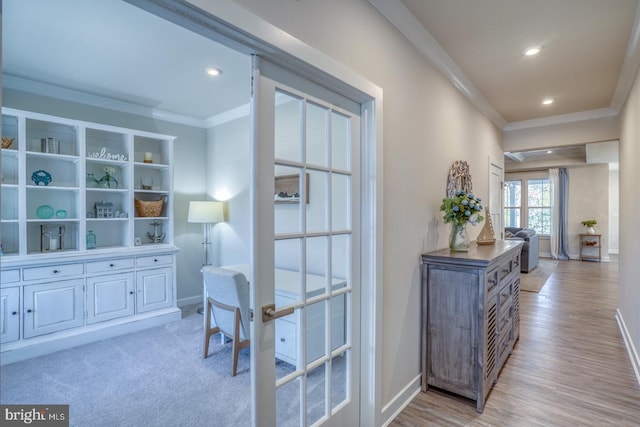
x=428, y=125
x=629, y=294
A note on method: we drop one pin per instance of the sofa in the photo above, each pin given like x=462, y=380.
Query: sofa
x=530, y=256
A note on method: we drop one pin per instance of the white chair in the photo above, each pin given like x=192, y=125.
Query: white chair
x=228, y=304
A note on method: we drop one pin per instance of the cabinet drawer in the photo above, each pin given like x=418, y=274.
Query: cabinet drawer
x=504, y=297
x=286, y=343
x=53, y=271
x=111, y=265
x=9, y=276
x=492, y=281
x=152, y=261
x=506, y=268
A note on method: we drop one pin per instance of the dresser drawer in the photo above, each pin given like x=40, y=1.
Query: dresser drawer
x=9, y=276
x=53, y=271
x=506, y=268
x=152, y=261
x=286, y=343
x=491, y=281
x=504, y=322
x=504, y=297
x=112, y=265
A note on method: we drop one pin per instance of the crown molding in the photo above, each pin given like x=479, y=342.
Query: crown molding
x=57, y=92
x=561, y=119
x=404, y=21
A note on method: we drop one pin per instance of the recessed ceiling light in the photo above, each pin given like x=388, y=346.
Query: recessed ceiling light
x=547, y=101
x=531, y=51
x=214, y=72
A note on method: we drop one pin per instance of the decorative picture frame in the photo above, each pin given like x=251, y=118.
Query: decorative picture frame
x=287, y=188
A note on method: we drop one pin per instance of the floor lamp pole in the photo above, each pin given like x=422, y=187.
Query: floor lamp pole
x=206, y=227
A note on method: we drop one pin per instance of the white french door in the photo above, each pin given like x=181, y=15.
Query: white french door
x=305, y=264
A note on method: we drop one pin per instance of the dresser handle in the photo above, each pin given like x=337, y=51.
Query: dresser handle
x=155, y=260
x=14, y=313
x=112, y=265
x=283, y=339
x=130, y=292
x=29, y=311
x=56, y=271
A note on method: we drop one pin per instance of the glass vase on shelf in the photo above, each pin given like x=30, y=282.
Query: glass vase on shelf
x=91, y=240
x=108, y=180
x=91, y=181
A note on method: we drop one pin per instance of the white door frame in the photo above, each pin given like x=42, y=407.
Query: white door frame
x=228, y=23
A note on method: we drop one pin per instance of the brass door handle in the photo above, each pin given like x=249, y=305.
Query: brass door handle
x=269, y=312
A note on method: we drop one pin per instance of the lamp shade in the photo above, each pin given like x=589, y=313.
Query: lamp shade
x=206, y=211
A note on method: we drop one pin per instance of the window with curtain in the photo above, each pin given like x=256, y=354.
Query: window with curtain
x=539, y=205
x=528, y=205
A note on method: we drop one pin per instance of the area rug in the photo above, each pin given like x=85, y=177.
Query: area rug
x=536, y=278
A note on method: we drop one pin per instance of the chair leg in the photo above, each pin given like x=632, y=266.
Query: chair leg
x=237, y=344
x=208, y=331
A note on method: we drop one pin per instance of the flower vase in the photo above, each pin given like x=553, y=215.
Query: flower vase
x=459, y=238
x=108, y=181
x=591, y=230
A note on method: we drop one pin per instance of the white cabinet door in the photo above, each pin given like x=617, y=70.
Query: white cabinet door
x=52, y=307
x=110, y=297
x=9, y=314
x=154, y=289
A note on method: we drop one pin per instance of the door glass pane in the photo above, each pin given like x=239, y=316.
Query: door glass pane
x=288, y=127
x=340, y=142
x=316, y=394
x=316, y=265
x=318, y=201
x=316, y=321
x=288, y=199
x=288, y=404
x=340, y=202
x=317, y=133
x=339, y=377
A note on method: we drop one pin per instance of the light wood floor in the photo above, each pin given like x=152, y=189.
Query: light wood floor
x=570, y=367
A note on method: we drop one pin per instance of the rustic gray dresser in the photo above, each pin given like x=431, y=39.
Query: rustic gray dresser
x=471, y=317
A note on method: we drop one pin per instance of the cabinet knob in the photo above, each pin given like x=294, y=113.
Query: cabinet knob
x=130, y=292
x=14, y=313
x=56, y=271
x=283, y=339
x=112, y=265
x=29, y=311
x=155, y=260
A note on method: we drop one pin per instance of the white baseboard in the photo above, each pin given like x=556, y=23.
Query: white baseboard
x=401, y=400
x=38, y=346
x=190, y=301
x=628, y=342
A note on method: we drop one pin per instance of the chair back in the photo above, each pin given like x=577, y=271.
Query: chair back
x=230, y=288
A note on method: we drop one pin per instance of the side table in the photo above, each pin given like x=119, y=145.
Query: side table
x=590, y=247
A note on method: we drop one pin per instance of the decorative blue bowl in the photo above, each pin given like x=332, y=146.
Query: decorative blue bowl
x=61, y=213
x=44, y=212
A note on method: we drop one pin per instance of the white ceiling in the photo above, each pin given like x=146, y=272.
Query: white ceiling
x=118, y=52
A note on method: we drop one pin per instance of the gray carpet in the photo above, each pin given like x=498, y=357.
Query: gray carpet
x=154, y=377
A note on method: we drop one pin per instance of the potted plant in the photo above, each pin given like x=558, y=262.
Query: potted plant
x=459, y=210
x=589, y=223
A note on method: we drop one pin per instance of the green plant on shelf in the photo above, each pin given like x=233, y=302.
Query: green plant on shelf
x=589, y=222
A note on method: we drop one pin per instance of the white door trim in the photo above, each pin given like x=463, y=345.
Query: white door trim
x=230, y=24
